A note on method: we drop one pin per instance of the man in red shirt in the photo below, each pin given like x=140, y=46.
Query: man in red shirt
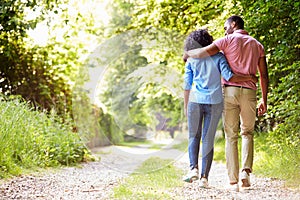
x=245, y=56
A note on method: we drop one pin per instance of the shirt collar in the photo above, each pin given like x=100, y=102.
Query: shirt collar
x=241, y=31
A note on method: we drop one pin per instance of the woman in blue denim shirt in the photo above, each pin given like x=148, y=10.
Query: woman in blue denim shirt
x=203, y=102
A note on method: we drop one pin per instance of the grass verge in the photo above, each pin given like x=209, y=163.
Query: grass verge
x=284, y=164
x=31, y=139
x=154, y=179
x=182, y=146
x=135, y=143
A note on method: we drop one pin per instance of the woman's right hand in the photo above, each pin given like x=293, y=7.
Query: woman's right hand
x=185, y=57
x=254, y=78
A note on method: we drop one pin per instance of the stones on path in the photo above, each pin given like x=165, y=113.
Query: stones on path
x=96, y=180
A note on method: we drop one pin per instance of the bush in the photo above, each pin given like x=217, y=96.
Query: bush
x=285, y=109
x=29, y=138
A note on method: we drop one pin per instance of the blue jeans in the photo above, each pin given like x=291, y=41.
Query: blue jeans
x=208, y=115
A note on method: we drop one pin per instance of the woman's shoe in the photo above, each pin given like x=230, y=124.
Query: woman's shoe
x=193, y=175
x=203, y=183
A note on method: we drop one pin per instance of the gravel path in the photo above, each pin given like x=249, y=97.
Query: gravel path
x=261, y=188
x=95, y=180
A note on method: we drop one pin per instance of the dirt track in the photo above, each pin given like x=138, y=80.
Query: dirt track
x=96, y=180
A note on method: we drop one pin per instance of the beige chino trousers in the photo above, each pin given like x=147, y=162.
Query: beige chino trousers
x=239, y=113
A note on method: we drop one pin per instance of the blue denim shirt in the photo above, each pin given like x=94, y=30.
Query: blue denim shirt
x=203, y=78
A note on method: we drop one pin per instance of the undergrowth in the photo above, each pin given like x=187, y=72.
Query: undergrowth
x=30, y=139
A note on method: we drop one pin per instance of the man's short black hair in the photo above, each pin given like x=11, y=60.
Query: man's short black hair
x=238, y=21
x=198, y=39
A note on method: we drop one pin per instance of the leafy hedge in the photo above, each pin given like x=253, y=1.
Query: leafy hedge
x=286, y=110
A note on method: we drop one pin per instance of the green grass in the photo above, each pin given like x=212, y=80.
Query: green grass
x=154, y=179
x=182, y=146
x=284, y=164
x=31, y=139
x=219, y=150
x=135, y=143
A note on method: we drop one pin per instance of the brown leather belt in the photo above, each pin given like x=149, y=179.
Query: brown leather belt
x=237, y=86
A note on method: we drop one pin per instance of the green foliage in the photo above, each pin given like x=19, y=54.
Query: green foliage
x=275, y=24
x=120, y=92
x=277, y=33
x=29, y=139
x=143, y=70
x=154, y=179
x=178, y=16
x=219, y=150
x=285, y=99
x=95, y=127
x=110, y=128
x=44, y=74
x=28, y=71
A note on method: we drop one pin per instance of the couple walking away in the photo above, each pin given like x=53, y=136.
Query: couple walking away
x=242, y=56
